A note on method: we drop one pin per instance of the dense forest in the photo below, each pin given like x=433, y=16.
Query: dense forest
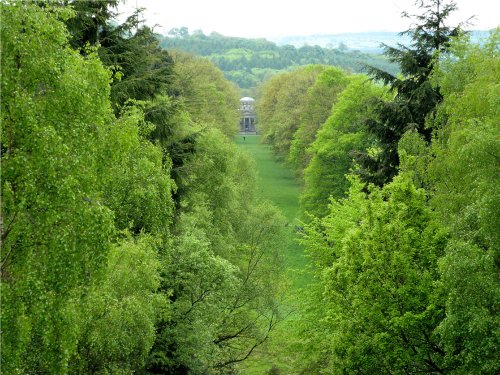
x=400, y=202
x=250, y=62
x=134, y=239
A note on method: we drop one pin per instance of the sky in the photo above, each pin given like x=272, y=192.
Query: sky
x=278, y=18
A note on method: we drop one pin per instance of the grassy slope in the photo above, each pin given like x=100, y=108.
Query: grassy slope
x=278, y=185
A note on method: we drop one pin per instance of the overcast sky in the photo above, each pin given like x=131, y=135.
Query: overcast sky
x=274, y=18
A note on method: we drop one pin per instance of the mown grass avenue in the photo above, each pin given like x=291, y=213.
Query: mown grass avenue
x=141, y=235
x=277, y=184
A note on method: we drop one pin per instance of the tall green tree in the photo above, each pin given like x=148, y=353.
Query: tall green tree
x=415, y=97
x=89, y=20
x=208, y=97
x=74, y=181
x=142, y=70
x=55, y=232
x=338, y=139
x=380, y=296
x=225, y=271
x=280, y=106
x=319, y=101
x=464, y=179
x=120, y=311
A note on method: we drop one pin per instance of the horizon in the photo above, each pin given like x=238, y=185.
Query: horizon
x=278, y=19
x=191, y=32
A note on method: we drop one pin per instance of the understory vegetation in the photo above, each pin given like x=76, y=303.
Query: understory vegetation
x=135, y=238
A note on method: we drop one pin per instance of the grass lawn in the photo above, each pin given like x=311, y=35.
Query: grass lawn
x=277, y=182
x=278, y=185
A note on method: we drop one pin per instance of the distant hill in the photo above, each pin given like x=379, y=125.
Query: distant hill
x=368, y=42
x=248, y=62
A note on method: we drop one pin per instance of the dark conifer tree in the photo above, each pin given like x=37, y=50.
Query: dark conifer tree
x=90, y=19
x=415, y=97
x=131, y=48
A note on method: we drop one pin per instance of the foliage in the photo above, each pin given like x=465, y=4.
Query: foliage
x=338, y=139
x=408, y=278
x=55, y=233
x=224, y=271
x=377, y=265
x=280, y=106
x=142, y=69
x=121, y=311
x=318, y=106
x=415, y=97
x=206, y=95
x=464, y=180
x=88, y=21
x=250, y=62
x=73, y=176
x=135, y=180
x=134, y=238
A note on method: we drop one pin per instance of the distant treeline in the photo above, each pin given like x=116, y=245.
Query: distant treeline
x=247, y=62
x=369, y=42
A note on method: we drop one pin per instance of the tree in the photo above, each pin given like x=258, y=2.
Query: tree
x=415, y=97
x=89, y=19
x=464, y=179
x=55, y=231
x=135, y=177
x=121, y=311
x=280, y=106
x=143, y=68
x=208, y=97
x=338, y=139
x=75, y=181
x=179, y=32
x=377, y=266
x=224, y=271
x=319, y=101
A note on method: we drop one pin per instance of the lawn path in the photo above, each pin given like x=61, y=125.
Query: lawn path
x=277, y=182
x=278, y=185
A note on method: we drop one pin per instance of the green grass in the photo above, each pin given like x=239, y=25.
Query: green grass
x=277, y=182
x=278, y=185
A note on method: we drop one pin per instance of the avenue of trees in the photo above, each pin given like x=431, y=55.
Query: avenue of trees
x=133, y=240
x=401, y=204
